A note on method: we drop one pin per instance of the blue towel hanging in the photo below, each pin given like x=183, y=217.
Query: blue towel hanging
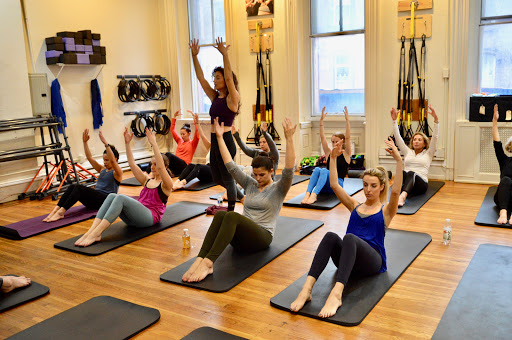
x=97, y=107
x=57, y=106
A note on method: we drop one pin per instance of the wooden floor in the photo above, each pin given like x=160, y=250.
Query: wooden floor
x=411, y=309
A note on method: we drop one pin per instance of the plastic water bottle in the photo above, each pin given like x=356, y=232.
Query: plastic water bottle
x=220, y=200
x=447, y=232
x=186, y=239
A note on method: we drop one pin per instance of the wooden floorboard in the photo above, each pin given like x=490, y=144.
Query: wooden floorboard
x=411, y=309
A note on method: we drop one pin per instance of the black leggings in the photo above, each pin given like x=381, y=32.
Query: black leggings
x=220, y=174
x=413, y=184
x=92, y=199
x=502, y=197
x=350, y=255
x=176, y=164
x=201, y=171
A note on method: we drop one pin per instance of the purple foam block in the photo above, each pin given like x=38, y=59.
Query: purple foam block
x=70, y=48
x=68, y=40
x=52, y=54
x=82, y=59
x=80, y=48
x=95, y=42
x=89, y=53
x=88, y=48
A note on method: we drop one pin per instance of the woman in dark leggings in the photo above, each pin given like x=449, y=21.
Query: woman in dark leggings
x=225, y=104
x=108, y=181
x=361, y=252
x=503, y=195
x=253, y=230
x=185, y=149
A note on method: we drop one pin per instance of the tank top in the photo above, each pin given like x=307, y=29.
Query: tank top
x=106, y=182
x=155, y=200
x=371, y=229
x=220, y=109
x=341, y=165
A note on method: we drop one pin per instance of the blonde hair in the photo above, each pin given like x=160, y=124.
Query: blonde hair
x=382, y=175
x=425, y=139
x=508, y=145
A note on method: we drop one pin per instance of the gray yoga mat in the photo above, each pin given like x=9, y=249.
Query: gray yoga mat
x=480, y=306
x=413, y=204
x=119, y=234
x=102, y=317
x=488, y=214
x=360, y=295
x=208, y=333
x=232, y=267
x=22, y=295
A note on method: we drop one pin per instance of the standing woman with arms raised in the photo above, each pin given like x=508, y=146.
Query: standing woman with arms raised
x=225, y=104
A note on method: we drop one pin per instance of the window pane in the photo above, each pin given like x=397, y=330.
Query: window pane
x=218, y=15
x=496, y=59
x=326, y=14
x=206, y=23
x=338, y=73
x=209, y=58
x=495, y=8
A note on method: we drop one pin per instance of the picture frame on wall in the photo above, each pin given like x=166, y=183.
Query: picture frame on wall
x=259, y=7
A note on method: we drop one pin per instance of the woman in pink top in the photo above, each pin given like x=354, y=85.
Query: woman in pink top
x=186, y=146
x=141, y=213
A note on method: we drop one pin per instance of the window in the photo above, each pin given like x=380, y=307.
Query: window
x=206, y=23
x=337, y=44
x=496, y=47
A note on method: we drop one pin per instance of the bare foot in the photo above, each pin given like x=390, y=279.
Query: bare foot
x=503, y=217
x=13, y=282
x=401, y=199
x=311, y=199
x=331, y=305
x=303, y=297
x=306, y=197
x=57, y=216
x=204, y=269
x=179, y=184
x=47, y=218
x=192, y=269
x=87, y=240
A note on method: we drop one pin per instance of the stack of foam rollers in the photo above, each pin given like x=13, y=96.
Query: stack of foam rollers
x=82, y=47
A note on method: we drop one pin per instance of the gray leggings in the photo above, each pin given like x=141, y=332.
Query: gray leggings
x=132, y=212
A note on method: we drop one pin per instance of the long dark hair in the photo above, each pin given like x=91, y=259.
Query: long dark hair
x=235, y=81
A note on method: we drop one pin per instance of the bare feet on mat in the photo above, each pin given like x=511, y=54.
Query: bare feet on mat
x=303, y=297
x=13, y=282
x=87, y=240
x=306, y=197
x=503, y=217
x=47, y=218
x=401, y=199
x=204, y=269
x=179, y=184
x=331, y=305
x=192, y=269
x=311, y=199
x=57, y=216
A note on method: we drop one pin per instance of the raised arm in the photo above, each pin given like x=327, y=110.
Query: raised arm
x=495, y=133
x=435, y=135
x=247, y=150
x=194, y=48
x=348, y=147
x=204, y=139
x=137, y=172
x=195, y=140
x=398, y=139
x=233, y=98
x=325, y=145
x=88, y=154
x=175, y=134
x=274, y=152
x=289, y=130
x=347, y=200
x=160, y=165
x=118, y=172
x=391, y=207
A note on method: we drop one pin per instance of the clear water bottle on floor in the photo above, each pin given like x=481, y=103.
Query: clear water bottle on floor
x=186, y=239
x=220, y=200
x=447, y=232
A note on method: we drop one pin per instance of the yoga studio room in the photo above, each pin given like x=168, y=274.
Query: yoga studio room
x=256, y=169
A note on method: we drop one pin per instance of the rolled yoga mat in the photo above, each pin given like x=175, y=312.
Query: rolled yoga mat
x=119, y=234
x=22, y=295
x=197, y=185
x=102, y=317
x=360, y=295
x=208, y=333
x=488, y=214
x=232, y=267
x=327, y=201
x=480, y=306
x=413, y=204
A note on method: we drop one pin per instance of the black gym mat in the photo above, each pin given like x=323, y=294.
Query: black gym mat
x=413, y=204
x=102, y=317
x=360, y=295
x=208, y=333
x=131, y=182
x=21, y=295
x=233, y=267
x=489, y=213
x=327, y=201
x=119, y=234
x=197, y=185
x=480, y=306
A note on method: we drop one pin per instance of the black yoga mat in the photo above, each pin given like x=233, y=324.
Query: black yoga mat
x=208, y=333
x=102, y=317
x=413, y=204
x=489, y=213
x=197, y=185
x=296, y=178
x=233, y=267
x=131, y=182
x=360, y=295
x=119, y=234
x=21, y=295
x=327, y=201
x=480, y=307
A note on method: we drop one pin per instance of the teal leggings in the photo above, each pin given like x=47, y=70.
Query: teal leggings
x=229, y=227
x=131, y=211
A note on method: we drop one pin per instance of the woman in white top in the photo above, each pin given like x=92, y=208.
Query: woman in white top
x=417, y=158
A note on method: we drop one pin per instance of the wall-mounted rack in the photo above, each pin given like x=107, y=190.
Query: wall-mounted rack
x=130, y=76
x=131, y=113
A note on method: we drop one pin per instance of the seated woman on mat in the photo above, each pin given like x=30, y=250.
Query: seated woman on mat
x=504, y=191
x=361, y=252
x=417, y=158
x=141, y=213
x=200, y=171
x=186, y=146
x=253, y=230
x=9, y=283
x=319, y=180
x=108, y=181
